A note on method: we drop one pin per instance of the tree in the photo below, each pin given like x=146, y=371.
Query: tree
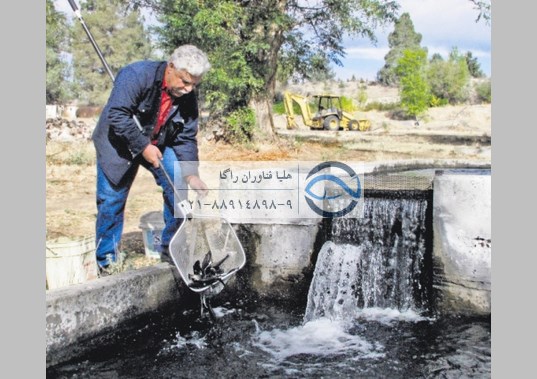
x=449, y=79
x=473, y=65
x=414, y=89
x=118, y=30
x=56, y=68
x=436, y=57
x=483, y=7
x=484, y=91
x=402, y=38
x=248, y=41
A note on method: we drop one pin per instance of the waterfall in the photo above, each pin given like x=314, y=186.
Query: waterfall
x=377, y=261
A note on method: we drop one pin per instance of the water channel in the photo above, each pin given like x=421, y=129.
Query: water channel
x=368, y=313
x=268, y=340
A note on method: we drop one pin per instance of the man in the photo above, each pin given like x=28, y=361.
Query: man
x=160, y=95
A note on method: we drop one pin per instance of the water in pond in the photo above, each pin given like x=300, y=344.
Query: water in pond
x=269, y=341
x=366, y=316
x=330, y=337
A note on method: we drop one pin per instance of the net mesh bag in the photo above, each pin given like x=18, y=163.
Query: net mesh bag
x=207, y=252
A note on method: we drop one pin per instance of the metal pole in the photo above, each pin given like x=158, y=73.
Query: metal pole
x=90, y=36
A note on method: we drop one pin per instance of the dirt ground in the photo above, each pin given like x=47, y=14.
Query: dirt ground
x=451, y=132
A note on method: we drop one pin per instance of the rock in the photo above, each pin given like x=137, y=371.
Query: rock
x=61, y=129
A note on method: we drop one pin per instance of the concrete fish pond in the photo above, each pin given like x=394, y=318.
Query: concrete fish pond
x=402, y=292
x=253, y=340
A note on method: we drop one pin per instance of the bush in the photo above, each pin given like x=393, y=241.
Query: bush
x=376, y=105
x=484, y=91
x=347, y=104
x=449, y=80
x=437, y=102
x=241, y=123
x=362, y=95
x=278, y=107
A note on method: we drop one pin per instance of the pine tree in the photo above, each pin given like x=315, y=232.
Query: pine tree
x=122, y=39
x=473, y=65
x=402, y=38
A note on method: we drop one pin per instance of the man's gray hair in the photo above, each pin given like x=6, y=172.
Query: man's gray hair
x=191, y=59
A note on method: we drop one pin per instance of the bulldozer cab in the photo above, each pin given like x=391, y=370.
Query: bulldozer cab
x=328, y=105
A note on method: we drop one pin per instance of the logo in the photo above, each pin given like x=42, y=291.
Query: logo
x=340, y=193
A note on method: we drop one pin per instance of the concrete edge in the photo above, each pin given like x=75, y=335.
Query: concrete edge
x=86, y=310
x=325, y=135
x=388, y=167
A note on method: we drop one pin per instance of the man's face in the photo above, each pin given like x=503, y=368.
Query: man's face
x=179, y=82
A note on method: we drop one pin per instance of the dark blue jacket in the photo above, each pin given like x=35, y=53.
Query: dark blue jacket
x=137, y=91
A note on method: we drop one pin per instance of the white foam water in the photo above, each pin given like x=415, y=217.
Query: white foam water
x=321, y=337
x=220, y=312
x=182, y=342
x=389, y=316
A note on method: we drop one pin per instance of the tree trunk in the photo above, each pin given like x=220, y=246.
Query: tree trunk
x=262, y=107
x=262, y=103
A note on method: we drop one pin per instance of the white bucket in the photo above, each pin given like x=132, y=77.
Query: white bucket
x=152, y=224
x=70, y=262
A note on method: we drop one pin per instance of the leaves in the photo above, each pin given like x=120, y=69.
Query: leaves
x=57, y=72
x=449, y=79
x=250, y=43
x=414, y=88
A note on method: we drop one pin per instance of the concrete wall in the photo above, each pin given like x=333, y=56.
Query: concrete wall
x=462, y=242
x=277, y=254
x=83, y=311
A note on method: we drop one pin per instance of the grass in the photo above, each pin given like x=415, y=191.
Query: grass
x=131, y=261
x=79, y=153
x=379, y=106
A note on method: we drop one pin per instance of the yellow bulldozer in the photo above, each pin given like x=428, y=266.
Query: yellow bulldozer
x=328, y=115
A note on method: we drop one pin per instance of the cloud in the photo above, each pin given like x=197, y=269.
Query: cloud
x=443, y=24
x=451, y=22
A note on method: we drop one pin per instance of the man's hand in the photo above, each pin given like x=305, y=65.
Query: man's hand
x=153, y=155
x=197, y=185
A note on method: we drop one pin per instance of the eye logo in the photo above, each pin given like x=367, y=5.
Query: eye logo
x=354, y=194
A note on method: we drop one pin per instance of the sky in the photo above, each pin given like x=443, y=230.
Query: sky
x=443, y=24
